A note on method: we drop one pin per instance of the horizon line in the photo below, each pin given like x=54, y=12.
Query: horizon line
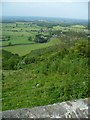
x=47, y=17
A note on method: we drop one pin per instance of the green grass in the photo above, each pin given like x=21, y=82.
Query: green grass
x=53, y=77
x=47, y=73
x=18, y=37
x=19, y=34
x=25, y=49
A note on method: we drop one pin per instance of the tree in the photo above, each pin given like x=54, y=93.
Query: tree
x=30, y=38
x=9, y=43
x=40, y=38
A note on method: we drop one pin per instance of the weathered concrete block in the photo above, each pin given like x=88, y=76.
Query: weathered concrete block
x=69, y=109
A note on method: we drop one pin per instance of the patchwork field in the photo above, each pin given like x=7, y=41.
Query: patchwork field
x=20, y=37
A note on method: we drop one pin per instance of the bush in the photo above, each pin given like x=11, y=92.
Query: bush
x=9, y=60
x=40, y=39
x=9, y=43
x=30, y=38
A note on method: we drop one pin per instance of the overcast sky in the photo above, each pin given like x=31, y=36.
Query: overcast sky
x=52, y=8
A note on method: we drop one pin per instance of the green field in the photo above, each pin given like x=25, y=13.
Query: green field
x=25, y=49
x=19, y=33
x=37, y=73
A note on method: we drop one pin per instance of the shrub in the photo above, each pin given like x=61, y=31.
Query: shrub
x=30, y=38
x=9, y=60
x=40, y=38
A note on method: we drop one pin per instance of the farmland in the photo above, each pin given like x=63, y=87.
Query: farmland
x=43, y=63
x=20, y=37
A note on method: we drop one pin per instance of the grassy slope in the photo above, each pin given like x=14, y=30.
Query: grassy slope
x=53, y=77
x=25, y=49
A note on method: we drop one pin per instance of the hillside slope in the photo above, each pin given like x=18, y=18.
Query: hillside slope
x=47, y=76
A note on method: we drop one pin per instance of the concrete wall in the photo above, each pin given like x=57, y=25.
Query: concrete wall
x=69, y=109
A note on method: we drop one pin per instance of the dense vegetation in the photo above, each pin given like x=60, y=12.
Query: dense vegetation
x=51, y=72
x=47, y=76
x=9, y=60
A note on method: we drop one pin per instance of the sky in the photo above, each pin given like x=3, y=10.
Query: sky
x=45, y=0
x=52, y=8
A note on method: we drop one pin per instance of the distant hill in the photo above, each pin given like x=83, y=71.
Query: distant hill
x=8, y=19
